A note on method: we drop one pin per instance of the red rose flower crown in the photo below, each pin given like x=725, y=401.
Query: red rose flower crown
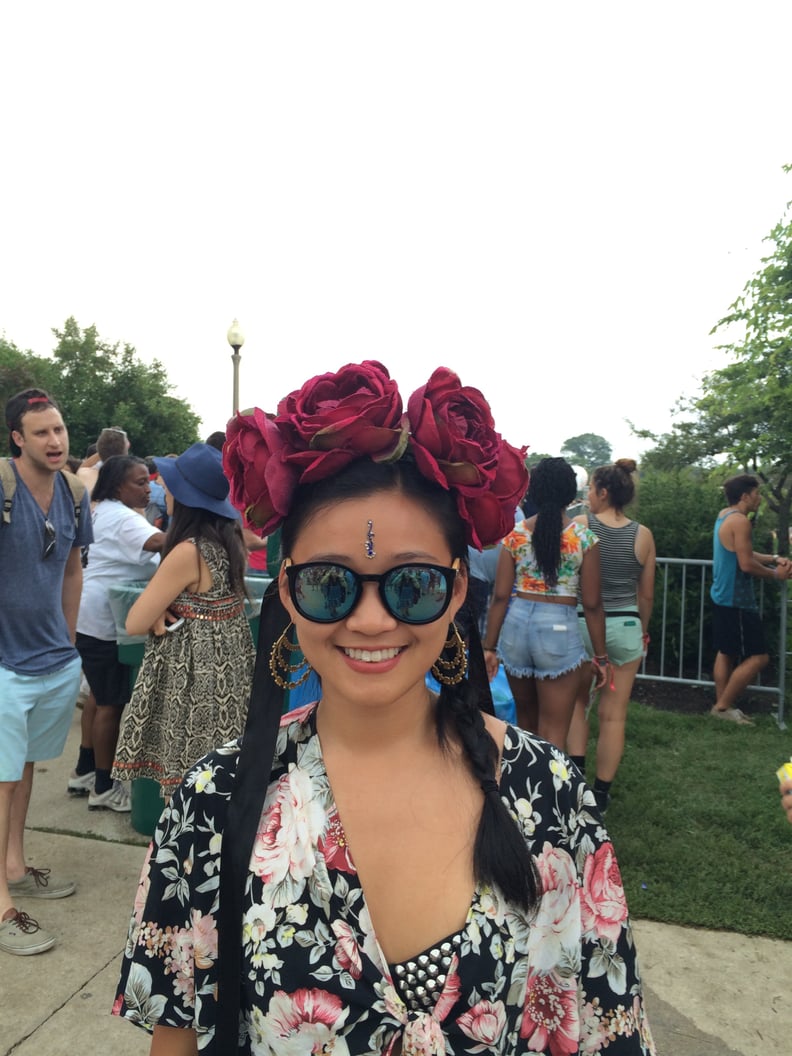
x=357, y=412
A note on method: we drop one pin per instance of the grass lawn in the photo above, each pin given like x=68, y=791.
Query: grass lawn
x=696, y=822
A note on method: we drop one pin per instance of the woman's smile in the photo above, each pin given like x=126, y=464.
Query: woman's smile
x=372, y=656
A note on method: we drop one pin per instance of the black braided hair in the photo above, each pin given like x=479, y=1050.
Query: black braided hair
x=500, y=854
x=252, y=780
x=553, y=486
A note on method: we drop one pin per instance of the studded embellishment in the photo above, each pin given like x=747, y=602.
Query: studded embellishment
x=421, y=980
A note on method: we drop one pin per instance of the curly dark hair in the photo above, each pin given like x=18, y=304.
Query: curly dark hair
x=553, y=486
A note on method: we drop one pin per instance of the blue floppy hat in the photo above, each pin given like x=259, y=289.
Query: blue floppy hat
x=196, y=479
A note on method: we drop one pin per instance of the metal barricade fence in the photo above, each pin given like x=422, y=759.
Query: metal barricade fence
x=689, y=593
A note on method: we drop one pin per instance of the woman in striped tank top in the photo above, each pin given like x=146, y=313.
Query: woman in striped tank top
x=627, y=571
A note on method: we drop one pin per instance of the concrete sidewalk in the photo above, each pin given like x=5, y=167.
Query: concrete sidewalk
x=707, y=993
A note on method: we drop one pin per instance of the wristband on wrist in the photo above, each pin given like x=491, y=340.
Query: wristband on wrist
x=600, y=660
x=489, y=648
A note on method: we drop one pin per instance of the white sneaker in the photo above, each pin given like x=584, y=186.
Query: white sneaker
x=116, y=798
x=80, y=784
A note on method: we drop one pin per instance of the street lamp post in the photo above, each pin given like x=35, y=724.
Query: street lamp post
x=236, y=340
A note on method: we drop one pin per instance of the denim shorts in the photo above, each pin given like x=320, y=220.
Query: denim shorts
x=623, y=638
x=540, y=639
x=35, y=715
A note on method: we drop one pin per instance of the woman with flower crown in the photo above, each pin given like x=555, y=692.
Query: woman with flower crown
x=385, y=870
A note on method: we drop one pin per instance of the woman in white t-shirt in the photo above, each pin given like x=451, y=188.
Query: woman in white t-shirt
x=125, y=548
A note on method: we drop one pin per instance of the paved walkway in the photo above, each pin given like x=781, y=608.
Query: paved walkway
x=708, y=993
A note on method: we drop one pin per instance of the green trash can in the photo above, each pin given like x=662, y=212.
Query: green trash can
x=147, y=803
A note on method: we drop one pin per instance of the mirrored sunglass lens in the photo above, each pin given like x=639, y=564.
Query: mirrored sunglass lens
x=325, y=592
x=416, y=594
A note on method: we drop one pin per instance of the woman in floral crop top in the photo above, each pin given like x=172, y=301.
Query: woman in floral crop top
x=532, y=625
x=386, y=872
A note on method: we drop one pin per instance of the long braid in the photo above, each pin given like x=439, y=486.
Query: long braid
x=254, y=767
x=553, y=486
x=500, y=854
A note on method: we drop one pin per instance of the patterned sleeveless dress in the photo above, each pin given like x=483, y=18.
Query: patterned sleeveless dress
x=191, y=693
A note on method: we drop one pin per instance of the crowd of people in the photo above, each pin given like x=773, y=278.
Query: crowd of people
x=388, y=868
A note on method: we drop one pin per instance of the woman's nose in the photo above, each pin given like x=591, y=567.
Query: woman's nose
x=370, y=614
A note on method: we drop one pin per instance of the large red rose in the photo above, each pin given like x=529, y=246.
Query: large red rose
x=490, y=514
x=262, y=482
x=455, y=443
x=336, y=418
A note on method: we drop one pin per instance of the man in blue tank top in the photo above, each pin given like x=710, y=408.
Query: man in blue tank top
x=736, y=628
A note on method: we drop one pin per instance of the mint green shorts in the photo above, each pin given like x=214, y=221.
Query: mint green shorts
x=623, y=637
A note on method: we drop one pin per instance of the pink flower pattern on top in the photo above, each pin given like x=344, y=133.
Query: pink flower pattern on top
x=561, y=982
x=603, y=903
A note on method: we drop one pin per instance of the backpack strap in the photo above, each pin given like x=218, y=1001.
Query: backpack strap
x=77, y=489
x=8, y=480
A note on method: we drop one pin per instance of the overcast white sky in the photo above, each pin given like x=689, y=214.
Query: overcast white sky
x=557, y=201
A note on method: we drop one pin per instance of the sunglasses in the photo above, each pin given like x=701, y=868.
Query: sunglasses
x=50, y=539
x=326, y=593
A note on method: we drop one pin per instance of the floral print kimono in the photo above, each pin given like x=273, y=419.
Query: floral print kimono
x=562, y=982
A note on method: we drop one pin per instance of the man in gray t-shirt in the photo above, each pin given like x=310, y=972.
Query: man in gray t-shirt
x=41, y=577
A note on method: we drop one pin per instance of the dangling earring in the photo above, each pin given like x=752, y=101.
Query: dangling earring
x=451, y=672
x=279, y=662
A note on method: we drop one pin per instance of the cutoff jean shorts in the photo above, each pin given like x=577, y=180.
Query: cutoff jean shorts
x=35, y=715
x=540, y=639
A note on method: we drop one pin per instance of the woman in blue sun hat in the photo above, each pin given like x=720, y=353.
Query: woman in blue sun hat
x=194, y=683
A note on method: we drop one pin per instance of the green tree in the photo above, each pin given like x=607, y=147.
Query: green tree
x=588, y=450
x=742, y=415
x=22, y=370
x=534, y=457
x=679, y=505
x=98, y=384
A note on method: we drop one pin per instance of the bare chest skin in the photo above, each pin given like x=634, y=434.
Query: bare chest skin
x=410, y=825
x=40, y=485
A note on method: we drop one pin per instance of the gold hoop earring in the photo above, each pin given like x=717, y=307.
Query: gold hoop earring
x=451, y=672
x=279, y=662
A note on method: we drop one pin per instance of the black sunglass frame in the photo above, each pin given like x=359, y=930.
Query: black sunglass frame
x=50, y=539
x=449, y=574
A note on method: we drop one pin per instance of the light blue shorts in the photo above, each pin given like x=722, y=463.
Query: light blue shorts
x=540, y=639
x=35, y=715
x=623, y=638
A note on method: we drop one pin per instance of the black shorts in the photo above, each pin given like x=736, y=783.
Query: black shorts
x=106, y=675
x=737, y=632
